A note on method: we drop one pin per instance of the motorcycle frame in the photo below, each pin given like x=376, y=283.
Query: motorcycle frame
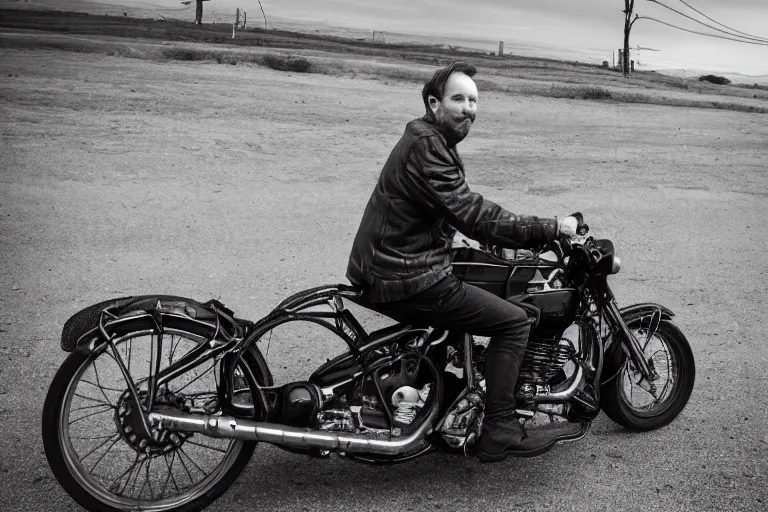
x=323, y=306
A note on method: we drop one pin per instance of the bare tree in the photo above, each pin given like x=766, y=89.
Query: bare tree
x=629, y=6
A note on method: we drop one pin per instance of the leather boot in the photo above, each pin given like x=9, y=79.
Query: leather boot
x=501, y=434
x=499, y=439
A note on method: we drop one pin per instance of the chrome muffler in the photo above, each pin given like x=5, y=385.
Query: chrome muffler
x=229, y=427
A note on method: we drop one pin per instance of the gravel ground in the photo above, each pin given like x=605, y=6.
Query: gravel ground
x=122, y=176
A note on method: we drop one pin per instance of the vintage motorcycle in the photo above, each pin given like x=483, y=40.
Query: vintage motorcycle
x=163, y=399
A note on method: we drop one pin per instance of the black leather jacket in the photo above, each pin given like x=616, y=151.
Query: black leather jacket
x=403, y=243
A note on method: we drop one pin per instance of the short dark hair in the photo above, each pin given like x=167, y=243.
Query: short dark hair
x=435, y=86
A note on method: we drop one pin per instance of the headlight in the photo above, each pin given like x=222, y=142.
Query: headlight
x=616, y=265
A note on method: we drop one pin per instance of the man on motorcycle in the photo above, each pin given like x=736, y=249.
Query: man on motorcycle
x=400, y=257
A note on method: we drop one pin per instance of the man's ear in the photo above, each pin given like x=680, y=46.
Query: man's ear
x=434, y=103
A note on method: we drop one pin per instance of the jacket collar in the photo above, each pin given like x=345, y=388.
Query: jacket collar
x=426, y=120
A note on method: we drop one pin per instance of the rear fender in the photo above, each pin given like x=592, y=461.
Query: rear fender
x=149, y=312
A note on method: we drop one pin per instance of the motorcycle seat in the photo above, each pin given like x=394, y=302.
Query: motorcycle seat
x=390, y=333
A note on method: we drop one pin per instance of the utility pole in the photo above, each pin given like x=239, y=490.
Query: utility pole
x=198, y=9
x=265, y=16
x=629, y=6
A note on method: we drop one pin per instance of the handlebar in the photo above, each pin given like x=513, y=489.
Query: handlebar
x=580, y=247
x=597, y=255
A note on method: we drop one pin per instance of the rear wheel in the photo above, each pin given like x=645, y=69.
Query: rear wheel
x=639, y=405
x=93, y=437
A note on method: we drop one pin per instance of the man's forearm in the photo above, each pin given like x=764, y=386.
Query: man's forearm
x=516, y=231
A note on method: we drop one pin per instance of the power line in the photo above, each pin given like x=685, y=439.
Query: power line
x=717, y=22
x=761, y=40
x=700, y=33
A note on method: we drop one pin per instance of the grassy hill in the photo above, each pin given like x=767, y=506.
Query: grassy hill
x=159, y=38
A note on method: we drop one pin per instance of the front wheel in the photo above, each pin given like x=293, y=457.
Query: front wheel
x=92, y=433
x=639, y=405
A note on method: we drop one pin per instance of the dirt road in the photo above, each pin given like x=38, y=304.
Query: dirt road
x=121, y=176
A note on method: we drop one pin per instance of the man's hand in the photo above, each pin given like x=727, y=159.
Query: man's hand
x=567, y=227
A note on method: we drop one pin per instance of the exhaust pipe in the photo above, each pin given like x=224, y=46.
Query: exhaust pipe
x=577, y=383
x=229, y=427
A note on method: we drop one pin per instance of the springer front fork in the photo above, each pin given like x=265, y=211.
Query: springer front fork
x=629, y=341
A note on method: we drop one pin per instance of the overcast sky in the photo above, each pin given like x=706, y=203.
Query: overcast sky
x=594, y=26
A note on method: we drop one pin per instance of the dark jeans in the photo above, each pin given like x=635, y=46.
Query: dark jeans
x=453, y=305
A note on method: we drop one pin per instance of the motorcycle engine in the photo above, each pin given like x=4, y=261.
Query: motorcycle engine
x=396, y=395
x=550, y=360
x=547, y=362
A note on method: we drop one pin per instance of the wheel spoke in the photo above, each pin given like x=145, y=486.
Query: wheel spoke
x=184, y=464
x=91, y=414
x=206, y=446
x=101, y=388
x=104, y=454
x=99, y=446
x=170, y=473
x=94, y=406
x=173, y=349
x=195, y=379
x=181, y=450
x=670, y=376
x=655, y=398
x=126, y=472
x=136, y=478
x=149, y=481
x=94, y=438
x=97, y=400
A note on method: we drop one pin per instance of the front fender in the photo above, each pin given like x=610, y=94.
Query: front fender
x=631, y=314
x=149, y=311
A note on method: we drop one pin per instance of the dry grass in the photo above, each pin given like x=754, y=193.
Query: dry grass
x=408, y=72
x=582, y=92
x=287, y=63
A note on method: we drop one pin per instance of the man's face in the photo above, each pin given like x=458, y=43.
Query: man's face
x=455, y=113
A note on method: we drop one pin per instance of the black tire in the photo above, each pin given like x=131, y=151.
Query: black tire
x=99, y=499
x=680, y=366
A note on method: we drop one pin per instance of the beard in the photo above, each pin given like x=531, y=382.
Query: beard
x=454, y=129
